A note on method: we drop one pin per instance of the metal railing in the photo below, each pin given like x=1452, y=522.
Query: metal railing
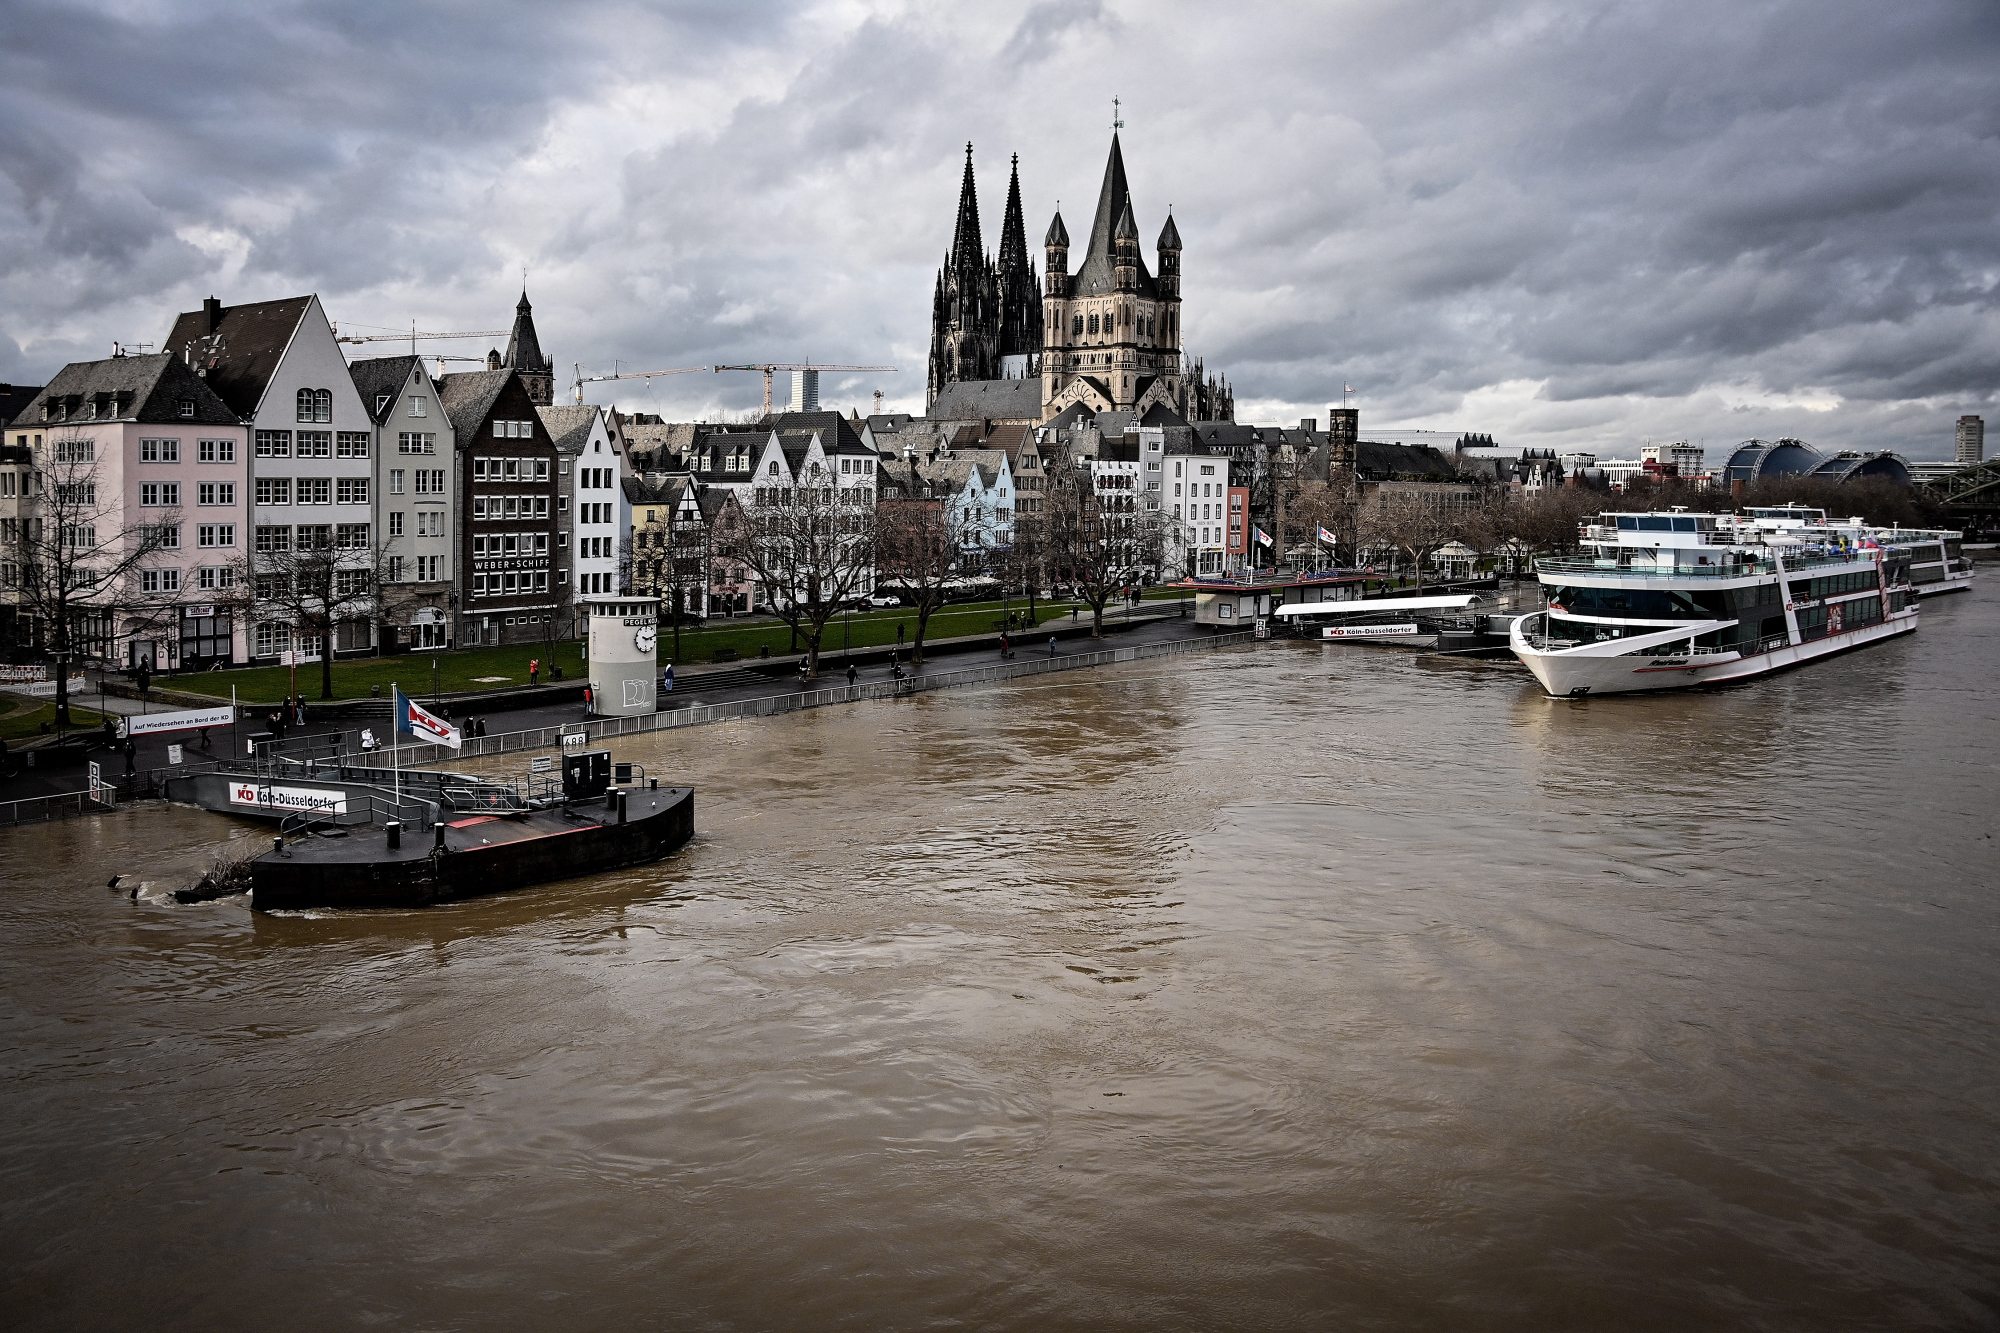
x=36, y=809
x=546, y=738
x=1620, y=570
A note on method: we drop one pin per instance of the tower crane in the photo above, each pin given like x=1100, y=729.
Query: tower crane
x=414, y=336
x=770, y=366
x=582, y=379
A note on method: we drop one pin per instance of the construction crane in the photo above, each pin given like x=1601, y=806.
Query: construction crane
x=413, y=336
x=582, y=379
x=768, y=367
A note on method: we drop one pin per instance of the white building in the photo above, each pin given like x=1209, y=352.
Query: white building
x=594, y=518
x=416, y=478
x=312, y=465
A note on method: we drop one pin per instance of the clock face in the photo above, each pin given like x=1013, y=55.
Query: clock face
x=645, y=639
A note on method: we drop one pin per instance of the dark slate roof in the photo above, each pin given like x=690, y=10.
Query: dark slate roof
x=375, y=376
x=142, y=388
x=15, y=398
x=837, y=434
x=467, y=398
x=989, y=400
x=713, y=500
x=1113, y=425
x=1170, y=235
x=1058, y=234
x=238, y=345
x=1373, y=458
x=568, y=424
x=1098, y=274
x=1071, y=417
x=1159, y=414
x=524, y=348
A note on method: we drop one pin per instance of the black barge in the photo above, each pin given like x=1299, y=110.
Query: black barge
x=353, y=835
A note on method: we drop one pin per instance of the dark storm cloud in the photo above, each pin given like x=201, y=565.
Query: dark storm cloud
x=1570, y=223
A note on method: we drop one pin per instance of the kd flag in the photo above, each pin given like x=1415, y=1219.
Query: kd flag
x=1263, y=537
x=422, y=724
x=1327, y=539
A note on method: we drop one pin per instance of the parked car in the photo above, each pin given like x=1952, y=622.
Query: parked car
x=882, y=599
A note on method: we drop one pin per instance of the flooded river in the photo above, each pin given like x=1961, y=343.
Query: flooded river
x=1288, y=987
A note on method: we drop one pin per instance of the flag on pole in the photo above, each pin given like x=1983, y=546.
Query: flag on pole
x=1328, y=539
x=1263, y=537
x=422, y=724
x=1345, y=387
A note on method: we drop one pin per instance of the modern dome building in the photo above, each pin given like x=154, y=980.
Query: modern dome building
x=1761, y=460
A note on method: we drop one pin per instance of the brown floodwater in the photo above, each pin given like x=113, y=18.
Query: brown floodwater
x=1296, y=986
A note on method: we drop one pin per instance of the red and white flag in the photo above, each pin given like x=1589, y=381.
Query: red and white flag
x=422, y=724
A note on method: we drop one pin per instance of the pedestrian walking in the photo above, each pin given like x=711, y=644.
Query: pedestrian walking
x=1072, y=615
x=851, y=675
x=1052, y=645
x=587, y=700
x=534, y=670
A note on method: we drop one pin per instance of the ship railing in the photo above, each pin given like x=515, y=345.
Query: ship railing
x=60, y=805
x=1647, y=570
x=487, y=799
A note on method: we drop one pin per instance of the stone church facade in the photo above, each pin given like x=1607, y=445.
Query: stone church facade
x=1106, y=338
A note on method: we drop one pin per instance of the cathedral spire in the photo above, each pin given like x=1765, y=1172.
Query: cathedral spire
x=1013, y=233
x=966, y=247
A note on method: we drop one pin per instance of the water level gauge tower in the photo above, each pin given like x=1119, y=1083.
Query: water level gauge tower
x=624, y=636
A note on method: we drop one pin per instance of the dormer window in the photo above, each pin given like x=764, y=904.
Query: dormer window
x=381, y=403
x=187, y=409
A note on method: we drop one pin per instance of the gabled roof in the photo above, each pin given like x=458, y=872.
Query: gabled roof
x=569, y=425
x=139, y=388
x=375, y=376
x=837, y=433
x=239, y=346
x=989, y=400
x=468, y=397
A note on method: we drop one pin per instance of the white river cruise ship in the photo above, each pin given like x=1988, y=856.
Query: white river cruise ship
x=1665, y=601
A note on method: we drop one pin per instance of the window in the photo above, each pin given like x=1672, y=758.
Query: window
x=271, y=539
x=350, y=536
x=562, y=541
x=159, y=451
x=315, y=536
x=159, y=580
x=351, y=582
x=215, y=534
x=478, y=585
x=187, y=408
x=274, y=444
x=272, y=639
x=479, y=469
x=315, y=444
x=154, y=494
x=541, y=543
x=382, y=402
x=351, y=444
x=79, y=536
x=164, y=538
x=215, y=451
x=395, y=481
x=430, y=522
x=274, y=490
x=315, y=405
x=541, y=580
x=419, y=405
x=416, y=442
x=211, y=577
x=395, y=522
x=76, y=451
x=541, y=506
x=215, y=493
x=510, y=468
x=479, y=506
x=351, y=491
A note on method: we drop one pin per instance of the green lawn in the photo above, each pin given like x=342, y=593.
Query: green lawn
x=24, y=725
x=470, y=669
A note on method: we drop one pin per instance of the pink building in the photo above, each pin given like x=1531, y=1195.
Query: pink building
x=140, y=448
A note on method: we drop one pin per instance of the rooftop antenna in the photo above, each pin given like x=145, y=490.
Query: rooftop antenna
x=1116, y=123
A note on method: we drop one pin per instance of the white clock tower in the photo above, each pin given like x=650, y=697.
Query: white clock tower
x=624, y=633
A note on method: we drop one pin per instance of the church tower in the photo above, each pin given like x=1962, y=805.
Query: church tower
x=524, y=353
x=1020, y=292
x=965, y=310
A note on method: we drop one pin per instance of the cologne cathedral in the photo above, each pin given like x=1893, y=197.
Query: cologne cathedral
x=1106, y=338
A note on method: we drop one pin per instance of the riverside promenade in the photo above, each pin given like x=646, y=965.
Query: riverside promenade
x=701, y=694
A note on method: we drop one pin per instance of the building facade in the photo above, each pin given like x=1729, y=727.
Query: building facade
x=1971, y=440
x=417, y=520
x=508, y=483
x=986, y=314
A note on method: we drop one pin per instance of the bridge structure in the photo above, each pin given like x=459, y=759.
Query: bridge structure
x=1971, y=497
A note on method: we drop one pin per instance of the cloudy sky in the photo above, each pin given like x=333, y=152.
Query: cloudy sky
x=1577, y=224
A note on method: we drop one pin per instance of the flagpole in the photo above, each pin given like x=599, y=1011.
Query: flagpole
x=396, y=739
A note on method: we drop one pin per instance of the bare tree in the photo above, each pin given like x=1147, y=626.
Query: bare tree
x=1097, y=541
x=79, y=562
x=1415, y=521
x=1546, y=524
x=1317, y=505
x=919, y=543
x=812, y=550
x=309, y=581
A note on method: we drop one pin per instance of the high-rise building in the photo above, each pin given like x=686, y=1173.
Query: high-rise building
x=1971, y=440
x=805, y=391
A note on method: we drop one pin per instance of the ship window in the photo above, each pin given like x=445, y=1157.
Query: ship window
x=1627, y=523
x=1654, y=523
x=1684, y=525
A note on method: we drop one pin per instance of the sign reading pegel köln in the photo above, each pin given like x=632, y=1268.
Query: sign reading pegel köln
x=252, y=793
x=145, y=724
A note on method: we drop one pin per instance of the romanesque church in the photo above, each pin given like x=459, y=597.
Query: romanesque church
x=1106, y=338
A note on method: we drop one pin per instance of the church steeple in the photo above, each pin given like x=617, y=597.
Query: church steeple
x=966, y=247
x=524, y=353
x=1013, y=235
x=1020, y=293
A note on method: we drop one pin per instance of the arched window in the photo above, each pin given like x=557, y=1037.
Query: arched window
x=322, y=405
x=1093, y=323
x=305, y=404
x=1076, y=325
